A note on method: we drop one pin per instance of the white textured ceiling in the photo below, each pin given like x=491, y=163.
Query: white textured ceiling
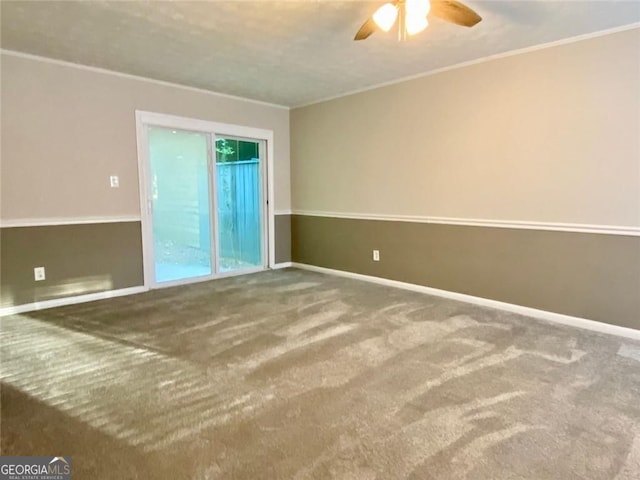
x=288, y=53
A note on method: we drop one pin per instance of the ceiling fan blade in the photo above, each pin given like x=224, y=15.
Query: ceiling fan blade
x=366, y=29
x=454, y=12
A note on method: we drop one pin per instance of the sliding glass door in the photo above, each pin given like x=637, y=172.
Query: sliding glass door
x=181, y=204
x=205, y=198
x=239, y=203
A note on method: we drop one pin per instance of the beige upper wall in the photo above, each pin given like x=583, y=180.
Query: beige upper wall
x=551, y=135
x=65, y=130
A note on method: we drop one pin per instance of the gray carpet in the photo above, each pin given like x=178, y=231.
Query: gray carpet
x=298, y=375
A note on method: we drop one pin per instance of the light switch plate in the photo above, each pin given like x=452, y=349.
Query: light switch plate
x=115, y=181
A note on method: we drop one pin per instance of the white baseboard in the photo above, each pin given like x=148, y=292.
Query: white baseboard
x=59, y=302
x=485, y=302
x=277, y=266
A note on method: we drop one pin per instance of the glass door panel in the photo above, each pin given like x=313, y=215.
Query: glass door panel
x=180, y=200
x=239, y=204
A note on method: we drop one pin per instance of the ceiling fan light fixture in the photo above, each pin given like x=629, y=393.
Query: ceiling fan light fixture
x=415, y=25
x=386, y=16
x=417, y=8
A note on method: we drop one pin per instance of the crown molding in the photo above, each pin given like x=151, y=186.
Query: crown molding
x=64, y=63
x=489, y=58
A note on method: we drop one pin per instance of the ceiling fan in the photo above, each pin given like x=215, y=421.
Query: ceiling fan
x=412, y=16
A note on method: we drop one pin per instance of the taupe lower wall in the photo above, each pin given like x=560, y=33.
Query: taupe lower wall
x=283, y=238
x=78, y=259
x=81, y=259
x=592, y=276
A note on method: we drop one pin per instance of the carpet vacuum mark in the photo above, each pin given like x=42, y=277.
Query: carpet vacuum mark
x=298, y=375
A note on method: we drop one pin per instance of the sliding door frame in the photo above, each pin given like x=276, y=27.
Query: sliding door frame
x=214, y=130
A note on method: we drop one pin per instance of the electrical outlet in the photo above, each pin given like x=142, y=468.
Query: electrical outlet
x=376, y=255
x=38, y=274
x=115, y=181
